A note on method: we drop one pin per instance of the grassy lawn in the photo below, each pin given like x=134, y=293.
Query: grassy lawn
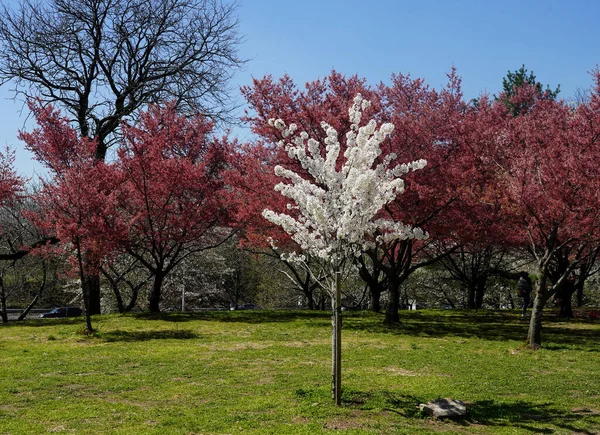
x=266, y=372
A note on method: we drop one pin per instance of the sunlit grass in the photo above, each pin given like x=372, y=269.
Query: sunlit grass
x=266, y=372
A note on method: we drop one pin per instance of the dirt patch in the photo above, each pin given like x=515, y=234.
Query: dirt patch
x=300, y=420
x=304, y=343
x=9, y=408
x=239, y=346
x=401, y=372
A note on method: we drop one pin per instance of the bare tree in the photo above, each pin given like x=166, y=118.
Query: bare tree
x=22, y=275
x=102, y=60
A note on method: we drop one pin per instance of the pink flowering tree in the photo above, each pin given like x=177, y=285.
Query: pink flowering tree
x=173, y=195
x=10, y=182
x=334, y=207
x=77, y=201
x=539, y=169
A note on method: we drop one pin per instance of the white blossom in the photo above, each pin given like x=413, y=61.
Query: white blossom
x=336, y=208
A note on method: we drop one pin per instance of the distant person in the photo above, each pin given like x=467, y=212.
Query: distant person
x=524, y=291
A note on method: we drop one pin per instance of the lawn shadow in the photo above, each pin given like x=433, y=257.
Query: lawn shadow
x=462, y=323
x=527, y=416
x=34, y=322
x=405, y=405
x=238, y=316
x=131, y=336
x=519, y=414
x=486, y=325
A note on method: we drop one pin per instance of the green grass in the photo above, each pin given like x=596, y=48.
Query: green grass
x=266, y=372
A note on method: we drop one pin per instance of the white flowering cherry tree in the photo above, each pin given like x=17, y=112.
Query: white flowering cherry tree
x=335, y=204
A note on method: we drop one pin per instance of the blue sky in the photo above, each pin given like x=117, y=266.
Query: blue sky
x=558, y=40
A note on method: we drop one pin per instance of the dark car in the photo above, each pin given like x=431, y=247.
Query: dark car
x=248, y=307
x=63, y=312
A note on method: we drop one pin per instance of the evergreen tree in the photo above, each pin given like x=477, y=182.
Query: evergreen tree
x=519, y=79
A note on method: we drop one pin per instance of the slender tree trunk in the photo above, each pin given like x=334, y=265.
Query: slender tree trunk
x=471, y=291
x=93, y=283
x=375, y=295
x=480, y=292
x=391, y=314
x=3, y=312
x=85, y=290
x=119, y=298
x=336, y=348
x=134, y=297
x=114, y=285
x=39, y=293
x=322, y=301
x=86, y=303
x=371, y=278
x=534, y=336
x=29, y=307
x=155, y=293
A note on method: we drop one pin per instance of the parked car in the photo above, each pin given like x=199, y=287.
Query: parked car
x=63, y=312
x=247, y=307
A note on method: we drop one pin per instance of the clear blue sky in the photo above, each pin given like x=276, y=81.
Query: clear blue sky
x=483, y=39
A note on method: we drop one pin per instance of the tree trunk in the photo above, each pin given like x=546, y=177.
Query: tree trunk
x=565, y=297
x=84, y=289
x=322, y=301
x=371, y=278
x=155, y=293
x=391, y=314
x=375, y=296
x=93, y=284
x=86, y=302
x=534, y=336
x=39, y=293
x=479, y=293
x=134, y=296
x=29, y=307
x=471, y=291
x=3, y=312
x=336, y=337
x=310, y=299
x=119, y=298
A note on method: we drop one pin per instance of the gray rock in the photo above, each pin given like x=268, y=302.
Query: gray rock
x=444, y=408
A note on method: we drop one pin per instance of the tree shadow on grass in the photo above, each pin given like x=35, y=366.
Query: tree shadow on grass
x=402, y=404
x=531, y=416
x=33, y=322
x=486, y=325
x=131, y=336
x=461, y=325
x=239, y=316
